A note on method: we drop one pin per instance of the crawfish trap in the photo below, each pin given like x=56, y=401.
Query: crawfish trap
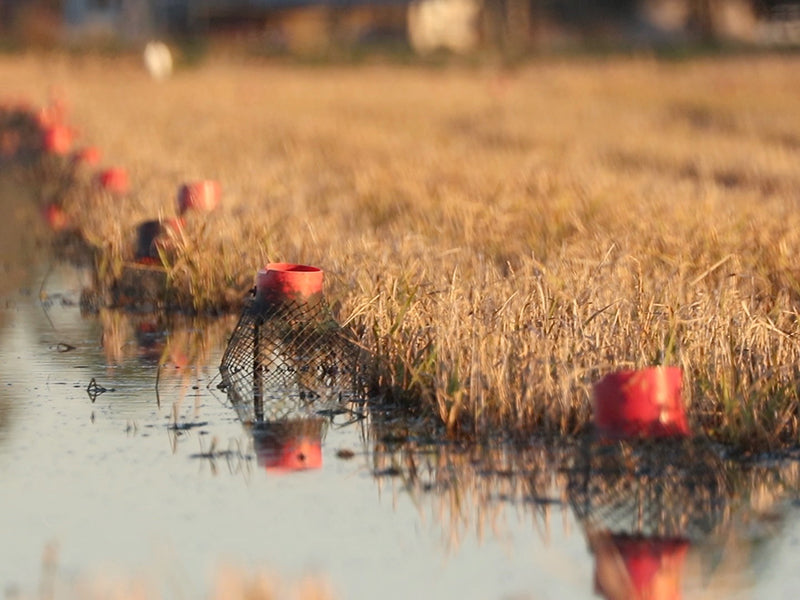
x=288, y=358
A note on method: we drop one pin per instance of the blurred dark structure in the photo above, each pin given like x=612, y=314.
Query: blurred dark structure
x=459, y=25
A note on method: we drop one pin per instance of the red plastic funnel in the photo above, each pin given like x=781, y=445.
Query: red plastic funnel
x=115, y=180
x=638, y=568
x=645, y=403
x=57, y=139
x=287, y=282
x=202, y=196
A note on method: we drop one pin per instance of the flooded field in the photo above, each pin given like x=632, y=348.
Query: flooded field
x=125, y=470
x=126, y=490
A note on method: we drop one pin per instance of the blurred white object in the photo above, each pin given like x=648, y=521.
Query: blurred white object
x=450, y=24
x=158, y=60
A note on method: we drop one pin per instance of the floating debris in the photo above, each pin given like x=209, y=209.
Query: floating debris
x=175, y=426
x=345, y=453
x=63, y=347
x=94, y=390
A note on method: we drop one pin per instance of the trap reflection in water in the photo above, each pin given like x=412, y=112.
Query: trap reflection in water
x=289, y=445
x=642, y=504
x=633, y=568
x=661, y=519
x=667, y=489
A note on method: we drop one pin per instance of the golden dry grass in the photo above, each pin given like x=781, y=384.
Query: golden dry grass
x=500, y=238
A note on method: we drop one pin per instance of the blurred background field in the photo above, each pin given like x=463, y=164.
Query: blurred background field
x=340, y=28
x=501, y=221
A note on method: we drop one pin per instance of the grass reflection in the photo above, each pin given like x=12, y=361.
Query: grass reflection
x=160, y=339
x=650, y=513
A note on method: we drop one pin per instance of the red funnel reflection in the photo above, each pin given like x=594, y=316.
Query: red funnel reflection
x=285, y=446
x=638, y=568
x=156, y=345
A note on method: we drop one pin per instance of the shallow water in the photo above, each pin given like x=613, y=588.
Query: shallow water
x=165, y=486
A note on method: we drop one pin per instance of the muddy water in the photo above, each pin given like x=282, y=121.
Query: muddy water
x=152, y=479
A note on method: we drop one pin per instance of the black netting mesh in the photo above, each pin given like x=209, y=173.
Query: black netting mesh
x=660, y=488
x=290, y=359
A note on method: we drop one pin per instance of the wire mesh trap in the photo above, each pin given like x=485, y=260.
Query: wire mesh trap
x=675, y=488
x=290, y=359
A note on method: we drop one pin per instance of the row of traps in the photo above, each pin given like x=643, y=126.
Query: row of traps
x=288, y=358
